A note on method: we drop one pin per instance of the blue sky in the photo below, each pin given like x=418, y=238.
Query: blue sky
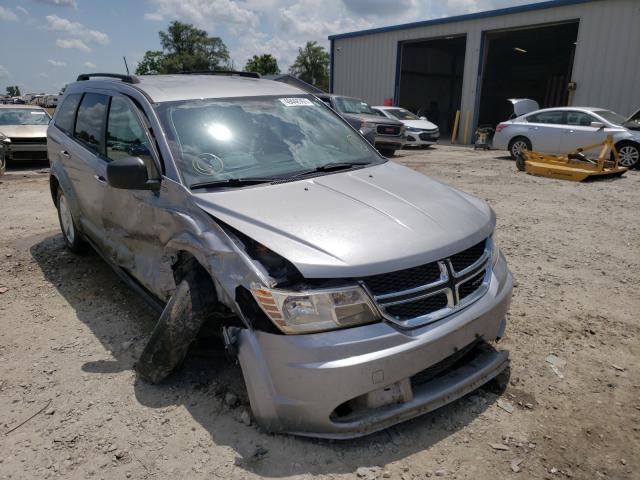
x=45, y=44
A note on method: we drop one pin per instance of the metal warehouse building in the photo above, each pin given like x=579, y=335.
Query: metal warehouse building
x=560, y=52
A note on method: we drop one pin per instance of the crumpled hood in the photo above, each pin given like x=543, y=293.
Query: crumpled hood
x=24, y=131
x=357, y=223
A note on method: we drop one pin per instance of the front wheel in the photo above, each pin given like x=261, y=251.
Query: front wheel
x=387, y=152
x=629, y=154
x=518, y=144
x=70, y=233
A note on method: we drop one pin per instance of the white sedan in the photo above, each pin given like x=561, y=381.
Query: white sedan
x=420, y=131
x=564, y=129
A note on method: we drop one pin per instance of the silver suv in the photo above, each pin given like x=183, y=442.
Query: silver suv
x=355, y=292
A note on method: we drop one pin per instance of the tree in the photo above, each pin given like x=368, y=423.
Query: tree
x=264, y=65
x=312, y=65
x=184, y=48
x=13, y=91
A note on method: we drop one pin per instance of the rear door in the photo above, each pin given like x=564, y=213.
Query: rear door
x=544, y=130
x=84, y=163
x=578, y=132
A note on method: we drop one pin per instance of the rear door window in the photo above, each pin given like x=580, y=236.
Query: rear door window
x=552, y=117
x=67, y=113
x=90, y=122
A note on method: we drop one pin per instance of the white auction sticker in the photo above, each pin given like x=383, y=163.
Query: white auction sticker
x=37, y=113
x=296, y=102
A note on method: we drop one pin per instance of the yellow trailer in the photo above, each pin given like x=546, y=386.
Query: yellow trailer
x=574, y=166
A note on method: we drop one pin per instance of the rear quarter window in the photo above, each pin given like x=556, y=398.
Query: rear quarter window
x=90, y=121
x=67, y=113
x=554, y=118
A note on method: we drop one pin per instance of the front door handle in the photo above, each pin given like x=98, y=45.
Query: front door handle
x=64, y=153
x=100, y=178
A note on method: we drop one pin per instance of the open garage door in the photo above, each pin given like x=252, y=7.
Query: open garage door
x=534, y=62
x=430, y=81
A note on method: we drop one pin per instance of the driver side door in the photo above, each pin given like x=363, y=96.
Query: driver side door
x=130, y=218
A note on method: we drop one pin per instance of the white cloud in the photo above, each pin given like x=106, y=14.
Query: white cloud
x=60, y=3
x=89, y=64
x=203, y=13
x=4, y=73
x=76, y=29
x=7, y=14
x=57, y=63
x=73, y=43
x=23, y=10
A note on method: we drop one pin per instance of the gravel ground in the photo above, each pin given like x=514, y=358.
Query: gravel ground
x=71, y=332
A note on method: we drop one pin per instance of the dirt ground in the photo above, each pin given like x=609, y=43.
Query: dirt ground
x=70, y=333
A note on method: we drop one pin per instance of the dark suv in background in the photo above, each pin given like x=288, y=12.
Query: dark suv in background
x=389, y=133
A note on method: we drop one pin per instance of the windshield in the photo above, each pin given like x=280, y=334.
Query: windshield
x=259, y=137
x=402, y=114
x=353, y=105
x=611, y=117
x=23, y=116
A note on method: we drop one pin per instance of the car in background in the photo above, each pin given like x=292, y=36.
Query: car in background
x=389, y=133
x=23, y=132
x=420, y=131
x=565, y=129
x=633, y=122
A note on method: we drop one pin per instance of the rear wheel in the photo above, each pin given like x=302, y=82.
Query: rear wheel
x=70, y=233
x=629, y=154
x=517, y=144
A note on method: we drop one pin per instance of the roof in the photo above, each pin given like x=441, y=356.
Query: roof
x=168, y=88
x=295, y=81
x=461, y=18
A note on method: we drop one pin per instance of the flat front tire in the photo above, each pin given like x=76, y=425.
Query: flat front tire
x=72, y=237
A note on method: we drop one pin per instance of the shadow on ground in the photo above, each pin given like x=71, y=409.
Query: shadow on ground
x=122, y=322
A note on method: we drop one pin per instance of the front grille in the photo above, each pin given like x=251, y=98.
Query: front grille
x=428, y=136
x=29, y=141
x=388, y=129
x=402, y=279
x=423, y=294
x=417, y=308
x=468, y=257
x=471, y=285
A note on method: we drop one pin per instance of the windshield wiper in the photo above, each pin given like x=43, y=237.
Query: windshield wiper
x=329, y=167
x=232, y=182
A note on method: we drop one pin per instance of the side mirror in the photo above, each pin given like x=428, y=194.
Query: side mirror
x=597, y=124
x=130, y=173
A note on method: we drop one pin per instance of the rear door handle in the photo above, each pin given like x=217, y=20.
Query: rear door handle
x=64, y=153
x=100, y=178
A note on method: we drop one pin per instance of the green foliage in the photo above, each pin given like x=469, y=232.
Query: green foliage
x=184, y=48
x=13, y=91
x=312, y=65
x=264, y=65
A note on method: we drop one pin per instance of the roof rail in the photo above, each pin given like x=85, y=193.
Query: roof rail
x=222, y=72
x=124, y=78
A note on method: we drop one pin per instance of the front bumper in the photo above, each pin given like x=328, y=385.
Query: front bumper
x=296, y=382
x=417, y=139
x=25, y=151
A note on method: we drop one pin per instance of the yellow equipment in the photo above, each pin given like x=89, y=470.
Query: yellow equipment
x=574, y=166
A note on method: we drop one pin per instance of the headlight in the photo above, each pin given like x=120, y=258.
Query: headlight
x=364, y=124
x=495, y=251
x=316, y=310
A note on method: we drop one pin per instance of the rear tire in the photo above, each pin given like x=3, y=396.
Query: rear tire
x=517, y=144
x=70, y=233
x=629, y=154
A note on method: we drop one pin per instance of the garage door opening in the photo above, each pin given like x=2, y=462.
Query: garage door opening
x=531, y=63
x=430, y=81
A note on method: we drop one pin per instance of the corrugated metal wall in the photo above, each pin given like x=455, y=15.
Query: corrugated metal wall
x=606, y=64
